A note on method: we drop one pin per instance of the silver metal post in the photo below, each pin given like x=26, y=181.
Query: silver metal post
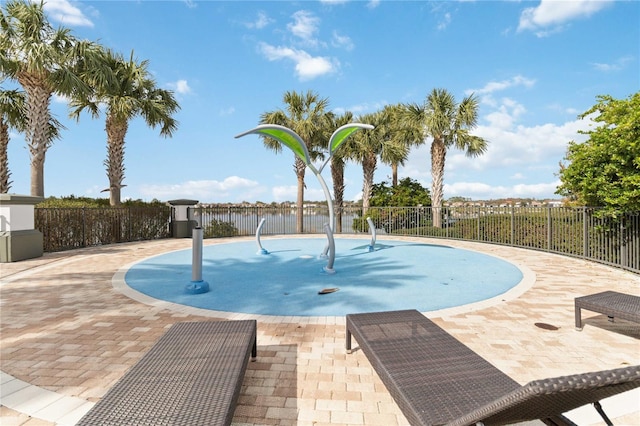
x=197, y=285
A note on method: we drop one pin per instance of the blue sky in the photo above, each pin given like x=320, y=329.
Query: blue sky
x=535, y=66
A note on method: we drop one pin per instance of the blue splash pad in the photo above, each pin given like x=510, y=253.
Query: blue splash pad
x=396, y=275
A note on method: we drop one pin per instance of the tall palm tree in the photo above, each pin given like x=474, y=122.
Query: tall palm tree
x=133, y=92
x=43, y=61
x=13, y=115
x=307, y=116
x=448, y=123
x=338, y=165
x=402, y=136
x=366, y=147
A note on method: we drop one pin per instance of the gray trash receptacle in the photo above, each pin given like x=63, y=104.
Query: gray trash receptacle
x=181, y=224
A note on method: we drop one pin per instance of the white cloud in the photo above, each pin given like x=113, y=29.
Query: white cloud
x=483, y=191
x=180, y=86
x=444, y=22
x=232, y=188
x=261, y=21
x=60, y=99
x=362, y=108
x=304, y=26
x=372, y=4
x=520, y=146
x=64, y=12
x=550, y=15
x=506, y=114
x=307, y=67
x=618, y=65
x=342, y=41
x=495, y=86
x=290, y=193
x=191, y=4
x=284, y=193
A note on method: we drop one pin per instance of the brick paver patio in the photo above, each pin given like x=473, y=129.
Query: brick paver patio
x=67, y=335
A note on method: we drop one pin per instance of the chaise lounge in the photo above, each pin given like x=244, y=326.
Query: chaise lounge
x=436, y=380
x=609, y=303
x=191, y=376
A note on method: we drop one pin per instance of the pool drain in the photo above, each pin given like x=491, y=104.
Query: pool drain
x=546, y=326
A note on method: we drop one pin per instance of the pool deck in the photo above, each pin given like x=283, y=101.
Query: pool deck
x=70, y=330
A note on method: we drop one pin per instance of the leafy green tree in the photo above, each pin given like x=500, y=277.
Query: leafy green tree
x=306, y=114
x=133, y=92
x=448, y=123
x=604, y=171
x=407, y=193
x=365, y=148
x=388, y=204
x=219, y=229
x=43, y=61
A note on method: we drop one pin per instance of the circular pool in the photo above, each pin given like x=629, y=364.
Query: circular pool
x=289, y=280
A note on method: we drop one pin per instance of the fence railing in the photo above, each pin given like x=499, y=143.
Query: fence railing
x=69, y=228
x=577, y=232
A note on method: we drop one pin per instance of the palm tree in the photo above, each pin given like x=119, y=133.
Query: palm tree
x=133, y=92
x=365, y=147
x=337, y=166
x=448, y=123
x=403, y=136
x=42, y=60
x=306, y=115
x=11, y=115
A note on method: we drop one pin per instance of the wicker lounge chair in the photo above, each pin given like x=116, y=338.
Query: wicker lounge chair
x=609, y=303
x=437, y=380
x=191, y=376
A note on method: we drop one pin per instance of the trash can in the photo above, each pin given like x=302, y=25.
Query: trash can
x=181, y=224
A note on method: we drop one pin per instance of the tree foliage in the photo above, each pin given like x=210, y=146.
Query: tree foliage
x=73, y=201
x=408, y=193
x=305, y=114
x=449, y=124
x=604, y=171
x=44, y=61
x=132, y=93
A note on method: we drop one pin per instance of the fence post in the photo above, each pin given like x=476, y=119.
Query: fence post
x=84, y=225
x=512, y=224
x=549, y=230
x=623, y=244
x=478, y=234
x=585, y=233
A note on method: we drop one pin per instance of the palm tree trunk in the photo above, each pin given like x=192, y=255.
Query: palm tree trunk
x=394, y=174
x=337, y=175
x=116, y=131
x=37, y=135
x=300, y=168
x=438, y=154
x=368, y=171
x=5, y=185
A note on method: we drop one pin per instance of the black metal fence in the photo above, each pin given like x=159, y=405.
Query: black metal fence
x=69, y=228
x=577, y=232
